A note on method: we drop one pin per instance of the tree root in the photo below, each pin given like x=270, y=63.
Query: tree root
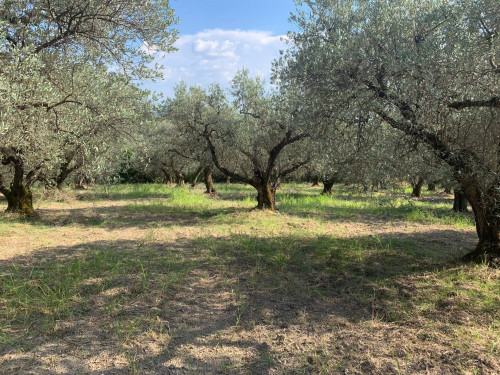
x=483, y=257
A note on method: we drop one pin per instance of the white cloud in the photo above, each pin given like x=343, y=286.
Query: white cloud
x=216, y=55
x=149, y=49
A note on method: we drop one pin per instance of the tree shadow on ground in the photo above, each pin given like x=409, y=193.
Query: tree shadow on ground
x=141, y=210
x=125, y=192
x=234, y=305
x=135, y=215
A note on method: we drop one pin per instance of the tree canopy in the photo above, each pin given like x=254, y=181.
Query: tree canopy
x=426, y=68
x=65, y=80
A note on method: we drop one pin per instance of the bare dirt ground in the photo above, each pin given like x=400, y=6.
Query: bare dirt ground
x=231, y=317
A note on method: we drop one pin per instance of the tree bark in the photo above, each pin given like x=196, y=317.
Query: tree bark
x=61, y=178
x=180, y=179
x=487, y=217
x=315, y=181
x=167, y=177
x=459, y=201
x=417, y=188
x=431, y=186
x=327, y=186
x=209, y=181
x=19, y=196
x=20, y=200
x=65, y=170
x=196, y=176
x=266, y=197
x=228, y=180
x=63, y=175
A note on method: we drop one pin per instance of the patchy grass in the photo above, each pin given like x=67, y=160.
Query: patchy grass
x=343, y=204
x=146, y=279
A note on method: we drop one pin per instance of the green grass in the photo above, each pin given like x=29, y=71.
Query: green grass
x=179, y=200
x=36, y=297
x=296, y=254
x=348, y=204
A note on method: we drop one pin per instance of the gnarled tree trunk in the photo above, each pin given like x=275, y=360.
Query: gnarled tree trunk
x=459, y=201
x=327, y=186
x=19, y=196
x=417, y=188
x=487, y=216
x=209, y=181
x=20, y=200
x=63, y=175
x=196, y=176
x=328, y=183
x=167, y=177
x=65, y=170
x=180, y=178
x=266, y=197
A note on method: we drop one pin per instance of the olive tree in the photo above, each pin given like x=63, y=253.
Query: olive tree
x=42, y=40
x=113, y=109
x=250, y=139
x=428, y=69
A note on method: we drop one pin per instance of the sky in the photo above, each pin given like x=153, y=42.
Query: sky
x=218, y=37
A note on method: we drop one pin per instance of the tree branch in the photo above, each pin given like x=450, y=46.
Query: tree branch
x=226, y=171
x=491, y=103
x=18, y=168
x=274, y=153
x=33, y=175
x=294, y=167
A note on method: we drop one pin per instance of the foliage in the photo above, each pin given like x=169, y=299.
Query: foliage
x=428, y=69
x=63, y=99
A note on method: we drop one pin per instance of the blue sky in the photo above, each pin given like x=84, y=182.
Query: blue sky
x=198, y=15
x=218, y=37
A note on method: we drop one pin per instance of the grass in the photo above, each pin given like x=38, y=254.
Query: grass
x=35, y=298
x=190, y=275
x=342, y=204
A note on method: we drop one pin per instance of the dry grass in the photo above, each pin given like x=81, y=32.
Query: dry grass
x=152, y=280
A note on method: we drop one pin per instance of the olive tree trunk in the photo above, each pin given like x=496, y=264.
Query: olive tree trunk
x=196, y=176
x=327, y=187
x=19, y=196
x=328, y=183
x=65, y=170
x=20, y=200
x=487, y=215
x=167, y=177
x=417, y=187
x=209, y=181
x=459, y=201
x=180, y=179
x=266, y=197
